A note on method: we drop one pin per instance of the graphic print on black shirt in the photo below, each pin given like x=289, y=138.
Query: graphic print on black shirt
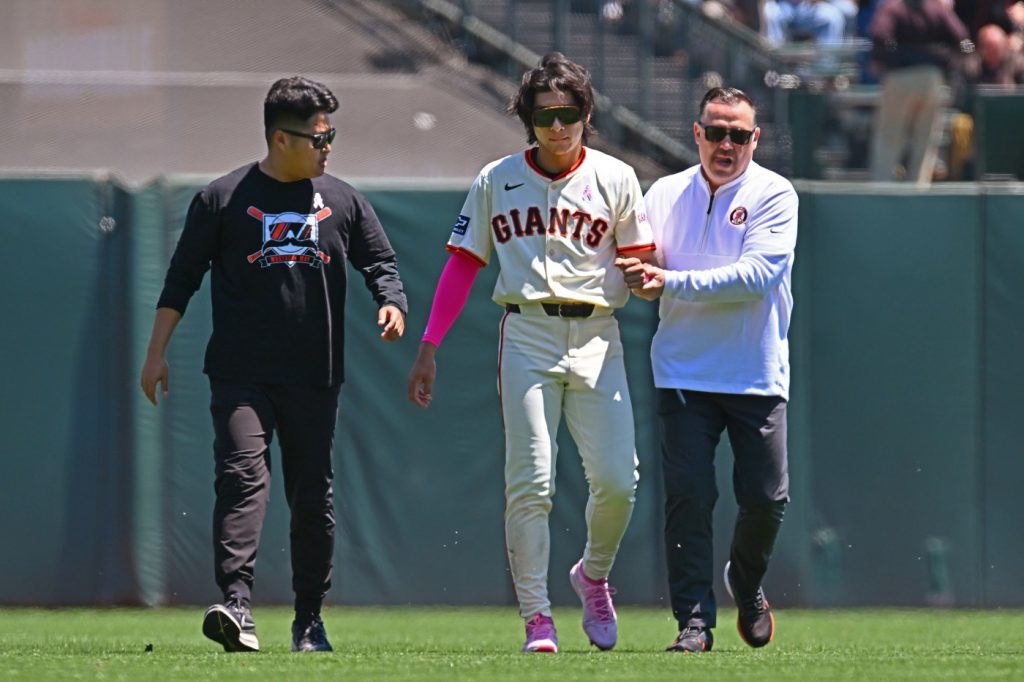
x=290, y=238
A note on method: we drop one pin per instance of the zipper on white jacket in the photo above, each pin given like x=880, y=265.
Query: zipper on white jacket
x=707, y=225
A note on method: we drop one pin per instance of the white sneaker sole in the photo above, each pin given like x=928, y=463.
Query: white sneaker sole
x=541, y=646
x=220, y=626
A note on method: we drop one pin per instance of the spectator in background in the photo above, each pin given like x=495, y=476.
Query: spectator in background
x=1014, y=24
x=996, y=63
x=1007, y=14
x=792, y=20
x=865, y=13
x=916, y=43
x=850, y=9
x=1015, y=13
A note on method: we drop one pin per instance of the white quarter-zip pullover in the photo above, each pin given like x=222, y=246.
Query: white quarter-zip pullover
x=728, y=256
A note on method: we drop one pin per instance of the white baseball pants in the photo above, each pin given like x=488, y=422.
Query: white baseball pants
x=547, y=367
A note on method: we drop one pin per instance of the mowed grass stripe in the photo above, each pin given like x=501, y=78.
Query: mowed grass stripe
x=483, y=643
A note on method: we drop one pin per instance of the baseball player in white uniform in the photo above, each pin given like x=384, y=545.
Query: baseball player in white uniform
x=556, y=217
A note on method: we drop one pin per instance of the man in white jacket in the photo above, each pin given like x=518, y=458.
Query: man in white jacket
x=726, y=232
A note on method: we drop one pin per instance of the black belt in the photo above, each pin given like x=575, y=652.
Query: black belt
x=559, y=309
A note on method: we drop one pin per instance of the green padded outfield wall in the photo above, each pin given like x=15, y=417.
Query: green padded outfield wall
x=1001, y=464
x=66, y=462
x=905, y=449
x=892, y=297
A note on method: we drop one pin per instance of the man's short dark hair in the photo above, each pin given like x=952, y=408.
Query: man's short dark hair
x=556, y=73
x=729, y=96
x=293, y=101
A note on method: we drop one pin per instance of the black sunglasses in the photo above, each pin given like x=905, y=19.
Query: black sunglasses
x=545, y=118
x=320, y=140
x=718, y=133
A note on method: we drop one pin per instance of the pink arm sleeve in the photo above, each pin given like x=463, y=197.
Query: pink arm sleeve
x=450, y=298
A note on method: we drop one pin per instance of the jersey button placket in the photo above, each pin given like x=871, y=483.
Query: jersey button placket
x=552, y=203
x=549, y=239
x=549, y=261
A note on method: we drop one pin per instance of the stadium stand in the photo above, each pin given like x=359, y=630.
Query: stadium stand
x=653, y=59
x=147, y=87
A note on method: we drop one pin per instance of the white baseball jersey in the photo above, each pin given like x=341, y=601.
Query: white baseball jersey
x=556, y=239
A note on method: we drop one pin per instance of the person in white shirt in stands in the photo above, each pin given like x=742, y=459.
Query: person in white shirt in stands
x=788, y=20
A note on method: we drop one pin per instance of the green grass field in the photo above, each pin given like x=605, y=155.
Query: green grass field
x=483, y=644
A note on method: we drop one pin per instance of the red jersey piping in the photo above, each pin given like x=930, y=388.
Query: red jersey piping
x=568, y=171
x=458, y=249
x=637, y=247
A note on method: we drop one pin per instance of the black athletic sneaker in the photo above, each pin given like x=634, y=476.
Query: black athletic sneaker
x=755, y=620
x=309, y=635
x=693, y=640
x=231, y=625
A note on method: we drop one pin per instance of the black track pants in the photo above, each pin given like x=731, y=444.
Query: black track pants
x=692, y=424
x=245, y=417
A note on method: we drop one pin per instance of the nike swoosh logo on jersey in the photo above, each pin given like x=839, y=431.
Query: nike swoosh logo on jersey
x=510, y=187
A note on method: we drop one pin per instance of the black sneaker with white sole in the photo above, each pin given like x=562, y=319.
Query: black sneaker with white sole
x=308, y=634
x=693, y=640
x=755, y=621
x=231, y=625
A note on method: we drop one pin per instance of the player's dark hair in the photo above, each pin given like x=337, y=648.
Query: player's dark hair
x=556, y=73
x=293, y=101
x=729, y=96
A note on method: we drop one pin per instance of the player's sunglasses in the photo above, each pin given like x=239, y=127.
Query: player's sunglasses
x=717, y=134
x=545, y=118
x=320, y=140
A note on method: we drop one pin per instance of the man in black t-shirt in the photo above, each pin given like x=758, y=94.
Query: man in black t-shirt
x=276, y=236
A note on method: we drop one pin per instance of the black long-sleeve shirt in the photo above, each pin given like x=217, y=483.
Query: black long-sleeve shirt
x=277, y=253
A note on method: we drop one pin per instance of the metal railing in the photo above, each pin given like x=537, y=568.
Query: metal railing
x=652, y=66
x=627, y=123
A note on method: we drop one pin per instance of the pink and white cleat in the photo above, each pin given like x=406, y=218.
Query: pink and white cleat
x=540, y=635
x=599, y=620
